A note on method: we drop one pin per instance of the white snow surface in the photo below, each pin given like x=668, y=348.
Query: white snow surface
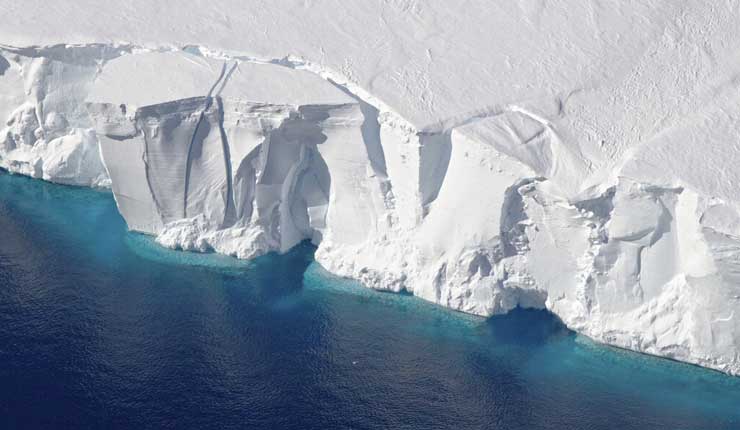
x=576, y=156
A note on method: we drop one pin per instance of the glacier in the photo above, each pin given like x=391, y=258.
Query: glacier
x=578, y=158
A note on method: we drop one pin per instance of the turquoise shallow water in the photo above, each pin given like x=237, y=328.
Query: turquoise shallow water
x=100, y=327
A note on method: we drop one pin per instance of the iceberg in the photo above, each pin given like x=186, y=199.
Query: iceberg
x=577, y=158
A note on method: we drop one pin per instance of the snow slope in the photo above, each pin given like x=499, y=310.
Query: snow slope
x=576, y=156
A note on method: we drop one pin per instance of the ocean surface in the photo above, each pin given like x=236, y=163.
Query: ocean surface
x=101, y=328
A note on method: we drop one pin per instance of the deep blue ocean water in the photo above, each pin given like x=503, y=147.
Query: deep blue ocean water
x=101, y=328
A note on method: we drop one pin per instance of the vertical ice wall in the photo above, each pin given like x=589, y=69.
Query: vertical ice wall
x=233, y=156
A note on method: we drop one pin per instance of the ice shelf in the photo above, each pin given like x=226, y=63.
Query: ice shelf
x=578, y=158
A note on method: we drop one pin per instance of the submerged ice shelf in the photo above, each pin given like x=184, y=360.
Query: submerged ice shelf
x=613, y=204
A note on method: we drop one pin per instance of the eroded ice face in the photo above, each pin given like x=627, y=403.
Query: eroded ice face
x=226, y=168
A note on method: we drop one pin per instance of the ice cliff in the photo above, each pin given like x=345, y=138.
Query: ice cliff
x=591, y=172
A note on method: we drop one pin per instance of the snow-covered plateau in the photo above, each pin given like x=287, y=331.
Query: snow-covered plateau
x=582, y=157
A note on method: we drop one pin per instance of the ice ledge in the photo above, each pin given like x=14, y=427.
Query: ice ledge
x=481, y=214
